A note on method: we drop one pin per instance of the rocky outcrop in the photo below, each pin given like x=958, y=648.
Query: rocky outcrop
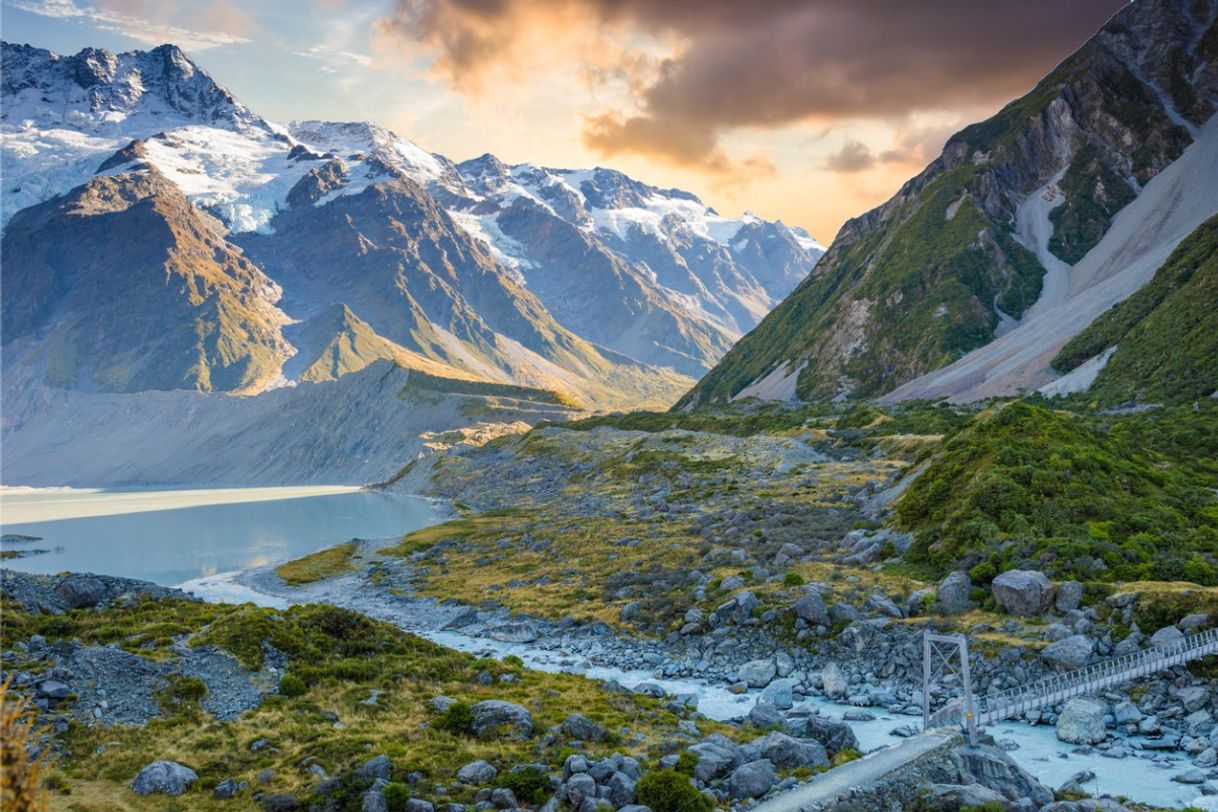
x=1026, y=593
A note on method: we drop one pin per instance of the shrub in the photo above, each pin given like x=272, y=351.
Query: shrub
x=793, y=579
x=396, y=796
x=529, y=784
x=456, y=719
x=686, y=762
x=671, y=791
x=292, y=685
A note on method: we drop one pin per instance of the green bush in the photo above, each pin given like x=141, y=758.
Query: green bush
x=292, y=685
x=529, y=784
x=686, y=762
x=671, y=791
x=793, y=579
x=396, y=796
x=456, y=719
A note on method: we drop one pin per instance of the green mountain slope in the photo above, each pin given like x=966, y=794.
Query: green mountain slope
x=912, y=285
x=1165, y=335
x=1091, y=497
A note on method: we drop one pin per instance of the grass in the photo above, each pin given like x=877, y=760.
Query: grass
x=341, y=657
x=318, y=566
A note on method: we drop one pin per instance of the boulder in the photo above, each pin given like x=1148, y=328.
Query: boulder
x=1071, y=652
x=495, y=716
x=164, y=778
x=375, y=768
x=752, y=780
x=955, y=593
x=780, y=693
x=1194, y=697
x=715, y=757
x=833, y=681
x=578, y=726
x=764, y=715
x=81, y=591
x=757, y=673
x=811, y=608
x=477, y=773
x=957, y=797
x=1168, y=634
x=374, y=800
x=785, y=752
x=621, y=789
x=578, y=787
x=1069, y=596
x=834, y=734
x=1026, y=593
x=994, y=769
x=228, y=788
x=1082, y=721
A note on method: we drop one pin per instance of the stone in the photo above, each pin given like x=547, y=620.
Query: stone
x=1069, y=596
x=764, y=715
x=1194, y=697
x=957, y=797
x=54, y=689
x=578, y=726
x=1189, y=777
x=495, y=716
x=81, y=591
x=811, y=608
x=501, y=797
x=752, y=780
x=1071, y=652
x=280, y=803
x=631, y=612
x=1082, y=721
x=1168, y=634
x=228, y=788
x=477, y=773
x=1025, y=593
x=378, y=767
x=757, y=673
x=578, y=787
x=780, y=693
x=715, y=758
x=1125, y=713
x=881, y=605
x=994, y=769
x=833, y=681
x=621, y=789
x=955, y=593
x=164, y=778
x=374, y=800
x=785, y=752
x=834, y=734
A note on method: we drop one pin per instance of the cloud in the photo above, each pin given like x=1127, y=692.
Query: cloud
x=699, y=69
x=153, y=22
x=854, y=156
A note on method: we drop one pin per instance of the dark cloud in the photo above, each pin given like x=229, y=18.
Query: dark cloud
x=768, y=64
x=854, y=156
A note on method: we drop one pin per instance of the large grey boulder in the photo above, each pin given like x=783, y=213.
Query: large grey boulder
x=578, y=726
x=82, y=591
x=785, y=752
x=164, y=778
x=578, y=787
x=374, y=768
x=716, y=756
x=992, y=768
x=495, y=717
x=833, y=681
x=764, y=715
x=1082, y=721
x=811, y=608
x=955, y=593
x=752, y=780
x=780, y=693
x=1168, y=634
x=477, y=773
x=1026, y=593
x=834, y=734
x=757, y=673
x=1071, y=652
x=621, y=789
x=1069, y=596
x=957, y=797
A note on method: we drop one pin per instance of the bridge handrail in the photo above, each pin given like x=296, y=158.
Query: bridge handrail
x=998, y=705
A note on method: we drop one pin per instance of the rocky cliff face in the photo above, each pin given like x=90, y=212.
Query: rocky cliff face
x=988, y=231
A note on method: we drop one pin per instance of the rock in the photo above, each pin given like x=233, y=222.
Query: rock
x=650, y=689
x=834, y=734
x=764, y=715
x=578, y=787
x=1194, y=697
x=785, y=752
x=621, y=789
x=515, y=632
x=1206, y=758
x=833, y=681
x=54, y=689
x=811, y=608
x=477, y=773
x=780, y=693
x=1069, y=596
x=501, y=797
x=1071, y=652
x=164, y=778
x=881, y=605
x=1082, y=721
x=228, y=788
x=1125, y=713
x=82, y=591
x=630, y=808
x=1194, y=621
x=757, y=673
x=463, y=617
x=957, y=797
x=955, y=593
x=495, y=716
x=631, y=612
x=715, y=758
x=1189, y=777
x=378, y=767
x=578, y=726
x=374, y=800
x=992, y=768
x=1025, y=593
x=1168, y=634
x=280, y=803
x=752, y=780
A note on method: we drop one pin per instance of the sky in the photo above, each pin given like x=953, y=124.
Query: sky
x=808, y=111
